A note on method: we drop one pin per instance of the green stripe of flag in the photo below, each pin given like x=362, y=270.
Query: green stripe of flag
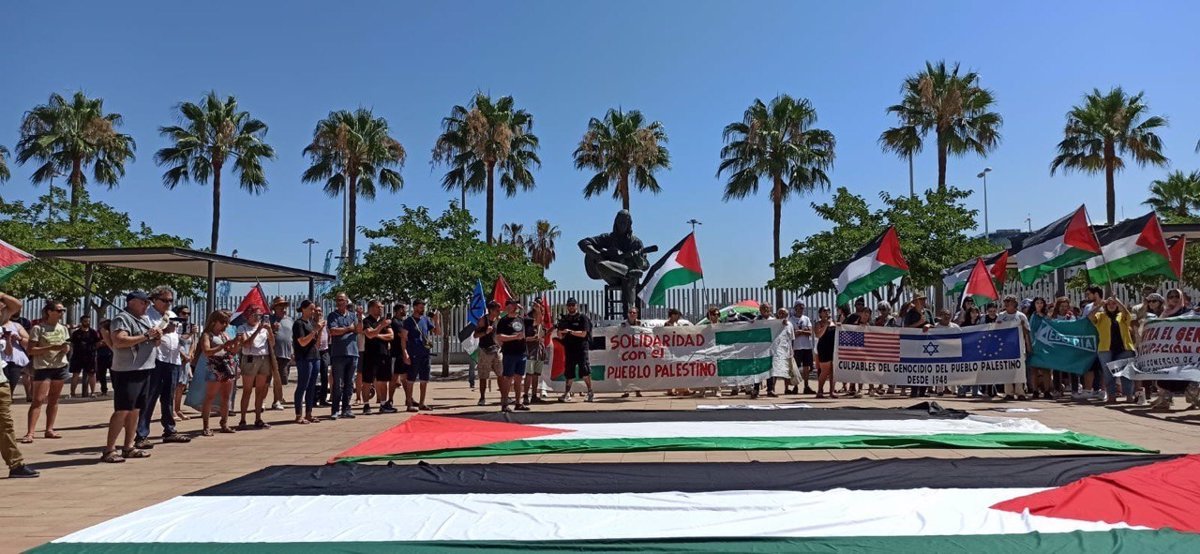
x=1130, y=540
x=743, y=367
x=1067, y=440
x=882, y=275
x=1146, y=262
x=8, y=271
x=676, y=277
x=743, y=336
x=1073, y=256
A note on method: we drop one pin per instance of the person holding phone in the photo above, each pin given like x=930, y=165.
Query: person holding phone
x=8, y=440
x=256, y=339
x=48, y=347
x=168, y=365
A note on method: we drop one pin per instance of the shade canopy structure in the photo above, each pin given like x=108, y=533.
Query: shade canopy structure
x=193, y=263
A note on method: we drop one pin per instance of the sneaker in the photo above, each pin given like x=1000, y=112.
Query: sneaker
x=808, y=390
x=1022, y=398
x=564, y=398
x=591, y=397
x=388, y=409
x=22, y=472
x=142, y=444
x=1102, y=396
x=1008, y=398
x=522, y=408
x=481, y=402
x=366, y=409
x=277, y=406
x=625, y=395
x=505, y=408
x=176, y=437
x=413, y=409
x=1140, y=398
x=347, y=415
x=333, y=417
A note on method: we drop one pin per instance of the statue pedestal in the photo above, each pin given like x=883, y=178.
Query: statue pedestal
x=614, y=303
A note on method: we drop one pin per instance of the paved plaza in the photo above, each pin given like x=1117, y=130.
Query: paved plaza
x=76, y=491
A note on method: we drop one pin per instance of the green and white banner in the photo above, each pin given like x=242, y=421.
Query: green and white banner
x=691, y=356
x=1169, y=349
x=1068, y=346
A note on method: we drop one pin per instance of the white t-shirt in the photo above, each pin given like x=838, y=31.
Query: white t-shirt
x=802, y=323
x=1089, y=308
x=168, y=347
x=256, y=347
x=1004, y=317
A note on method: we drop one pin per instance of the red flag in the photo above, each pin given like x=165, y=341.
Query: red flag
x=1177, y=246
x=500, y=292
x=256, y=298
x=1000, y=268
x=980, y=286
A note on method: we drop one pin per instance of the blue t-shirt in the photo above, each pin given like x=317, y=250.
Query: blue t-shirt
x=347, y=344
x=418, y=335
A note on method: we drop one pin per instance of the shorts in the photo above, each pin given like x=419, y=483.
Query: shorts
x=85, y=365
x=130, y=389
x=577, y=368
x=489, y=362
x=420, y=369
x=514, y=364
x=535, y=366
x=52, y=374
x=376, y=368
x=399, y=368
x=804, y=357
x=253, y=366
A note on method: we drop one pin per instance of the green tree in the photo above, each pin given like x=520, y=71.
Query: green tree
x=776, y=143
x=953, y=106
x=932, y=233
x=97, y=225
x=619, y=147
x=210, y=135
x=1177, y=197
x=4, y=174
x=351, y=152
x=439, y=258
x=483, y=138
x=66, y=137
x=1104, y=128
x=541, y=244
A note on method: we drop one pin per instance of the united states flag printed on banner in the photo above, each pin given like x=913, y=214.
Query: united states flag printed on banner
x=914, y=346
x=868, y=347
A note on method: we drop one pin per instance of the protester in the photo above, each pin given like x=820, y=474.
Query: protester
x=306, y=332
x=135, y=344
x=49, y=347
x=1015, y=390
x=783, y=352
x=344, y=327
x=861, y=316
x=216, y=349
x=167, y=368
x=281, y=325
x=535, y=351
x=15, y=342
x=990, y=313
x=1095, y=300
x=323, y=350
x=968, y=304
x=26, y=375
x=1116, y=342
x=885, y=318
x=632, y=320
x=83, y=357
x=418, y=328
x=825, y=333
x=574, y=331
x=802, y=346
x=399, y=370
x=376, y=364
x=489, y=351
x=256, y=358
x=187, y=356
x=8, y=439
x=104, y=356
x=510, y=333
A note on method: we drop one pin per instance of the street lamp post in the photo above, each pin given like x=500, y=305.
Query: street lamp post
x=310, y=242
x=987, y=235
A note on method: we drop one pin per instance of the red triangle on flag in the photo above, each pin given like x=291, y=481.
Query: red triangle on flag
x=1081, y=235
x=1158, y=496
x=999, y=268
x=1152, y=239
x=427, y=433
x=979, y=283
x=500, y=292
x=889, y=250
x=688, y=256
x=1178, y=249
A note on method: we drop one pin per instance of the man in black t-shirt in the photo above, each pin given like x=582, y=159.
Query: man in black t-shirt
x=399, y=370
x=510, y=333
x=83, y=356
x=376, y=362
x=489, y=350
x=574, y=330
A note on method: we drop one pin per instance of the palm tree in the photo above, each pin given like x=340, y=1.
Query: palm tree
x=209, y=136
x=541, y=244
x=351, y=152
x=620, y=146
x=513, y=233
x=66, y=136
x=1100, y=130
x=1177, y=197
x=905, y=141
x=484, y=137
x=954, y=107
x=4, y=174
x=777, y=143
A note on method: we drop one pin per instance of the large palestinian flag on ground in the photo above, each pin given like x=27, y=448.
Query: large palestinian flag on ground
x=1058, y=504
x=499, y=434
x=1064, y=243
x=679, y=266
x=874, y=265
x=955, y=278
x=1131, y=247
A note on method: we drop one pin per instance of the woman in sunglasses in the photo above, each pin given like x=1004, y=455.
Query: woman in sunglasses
x=48, y=348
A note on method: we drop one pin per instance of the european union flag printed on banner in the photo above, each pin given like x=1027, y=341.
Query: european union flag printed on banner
x=965, y=346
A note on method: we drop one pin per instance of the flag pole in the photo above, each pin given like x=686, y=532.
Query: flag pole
x=1103, y=261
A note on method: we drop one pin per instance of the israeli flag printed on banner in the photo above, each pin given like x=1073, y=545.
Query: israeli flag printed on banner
x=934, y=347
x=961, y=346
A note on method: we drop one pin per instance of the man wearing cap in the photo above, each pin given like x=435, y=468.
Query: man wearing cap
x=489, y=349
x=134, y=340
x=510, y=333
x=418, y=328
x=168, y=366
x=573, y=330
x=281, y=324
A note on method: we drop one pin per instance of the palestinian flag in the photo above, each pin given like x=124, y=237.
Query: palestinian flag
x=497, y=434
x=1066, y=242
x=1177, y=246
x=1131, y=247
x=475, y=310
x=874, y=265
x=12, y=259
x=255, y=298
x=1075, y=504
x=979, y=286
x=955, y=278
x=679, y=266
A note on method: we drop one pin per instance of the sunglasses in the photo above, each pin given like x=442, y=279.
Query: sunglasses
x=59, y=310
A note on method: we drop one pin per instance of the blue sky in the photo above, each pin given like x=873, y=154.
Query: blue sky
x=695, y=66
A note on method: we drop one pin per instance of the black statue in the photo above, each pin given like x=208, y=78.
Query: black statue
x=618, y=258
